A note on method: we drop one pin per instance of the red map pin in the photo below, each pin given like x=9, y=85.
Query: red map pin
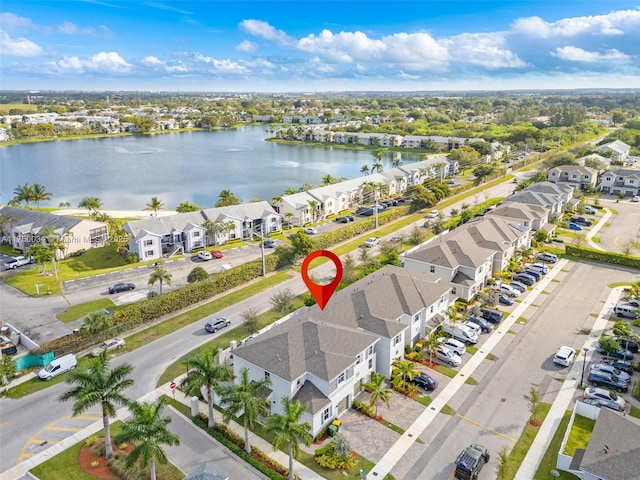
x=322, y=293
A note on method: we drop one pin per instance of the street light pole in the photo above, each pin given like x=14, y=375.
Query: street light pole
x=584, y=364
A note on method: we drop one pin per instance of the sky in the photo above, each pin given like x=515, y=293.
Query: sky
x=318, y=46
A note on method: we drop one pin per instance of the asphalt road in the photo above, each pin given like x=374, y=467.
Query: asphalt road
x=623, y=227
x=496, y=411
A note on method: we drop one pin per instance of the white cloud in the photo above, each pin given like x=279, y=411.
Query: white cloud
x=69, y=28
x=18, y=47
x=103, y=62
x=11, y=21
x=155, y=62
x=482, y=49
x=612, y=24
x=577, y=54
x=224, y=66
x=247, y=46
x=258, y=28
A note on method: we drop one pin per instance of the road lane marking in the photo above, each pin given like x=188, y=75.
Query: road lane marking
x=468, y=420
x=64, y=429
x=172, y=344
x=473, y=422
x=513, y=440
x=3, y=424
x=87, y=417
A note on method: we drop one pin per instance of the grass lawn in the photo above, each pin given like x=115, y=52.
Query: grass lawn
x=579, y=435
x=447, y=410
x=78, y=311
x=424, y=400
x=634, y=411
x=550, y=458
x=9, y=250
x=449, y=372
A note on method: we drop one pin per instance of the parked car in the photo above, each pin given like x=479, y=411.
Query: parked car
x=538, y=267
x=521, y=287
x=599, y=402
x=473, y=326
x=621, y=353
x=372, y=242
x=16, y=262
x=581, y=221
x=217, y=253
x=611, y=370
x=622, y=365
x=604, y=394
x=505, y=299
x=342, y=220
x=433, y=214
x=565, y=356
x=481, y=322
x=537, y=274
x=491, y=315
x=311, y=231
x=547, y=257
x=58, y=366
x=634, y=302
x=351, y=218
x=630, y=343
x=590, y=210
x=365, y=211
x=121, y=287
x=524, y=278
x=460, y=332
x=456, y=346
x=426, y=382
x=574, y=226
x=508, y=290
x=635, y=198
x=109, y=345
x=447, y=356
x=628, y=311
x=205, y=256
x=470, y=462
x=215, y=324
x=598, y=379
x=269, y=243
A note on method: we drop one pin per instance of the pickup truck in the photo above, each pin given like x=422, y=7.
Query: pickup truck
x=16, y=262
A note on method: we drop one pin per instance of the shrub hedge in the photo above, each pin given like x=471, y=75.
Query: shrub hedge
x=603, y=257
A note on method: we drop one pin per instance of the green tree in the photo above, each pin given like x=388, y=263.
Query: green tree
x=226, y=198
x=247, y=398
x=160, y=275
x=96, y=322
x=187, y=206
x=609, y=345
x=365, y=170
x=251, y=320
x=206, y=372
x=39, y=193
x=378, y=390
x=147, y=430
x=24, y=194
x=197, y=275
x=430, y=343
x=99, y=385
x=7, y=369
x=154, y=205
x=302, y=244
x=282, y=300
x=93, y=204
x=534, y=401
x=405, y=371
x=288, y=430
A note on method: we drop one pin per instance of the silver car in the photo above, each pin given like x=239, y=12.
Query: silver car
x=610, y=369
x=447, y=356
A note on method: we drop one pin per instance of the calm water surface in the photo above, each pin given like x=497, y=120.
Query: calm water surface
x=125, y=172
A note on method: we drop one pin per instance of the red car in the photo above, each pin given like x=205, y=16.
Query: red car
x=216, y=254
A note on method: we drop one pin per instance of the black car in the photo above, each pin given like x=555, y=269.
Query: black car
x=525, y=278
x=482, y=323
x=581, y=221
x=533, y=273
x=491, y=315
x=351, y=218
x=607, y=380
x=621, y=353
x=630, y=343
x=425, y=381
x=470, y=462
x=622, y=365
x=505, y=299
x=342, y=220
x=121, y=287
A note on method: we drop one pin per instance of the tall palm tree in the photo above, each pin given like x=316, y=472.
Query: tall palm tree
x=154, y=205
x=328, y=179
x=313, y=206
x=378, y=390
x=187, y=206
x=39, y=193
x=365, y=170
x=147, y=430
x=288, y=430
x=289, y=216
x=290, y=191
x=23, y=193
x=99, y=385
x=245, y=397
x=226, y=198
x=92, y=204
x=276, y=201
x=96, y=322
x=396, y=161
x=431, y=344
x=205, y=371
x=405, y=369
x=377, y=166
x=161, y=275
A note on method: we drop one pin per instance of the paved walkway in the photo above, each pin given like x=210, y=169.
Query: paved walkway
x=596, y=228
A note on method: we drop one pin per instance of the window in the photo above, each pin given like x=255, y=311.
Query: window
x=370, y=363
x=396, y=340
x=196, y=234
x=326, y=414
x=298, y=382
x=574, y=176
x=341, y=378
x=149, y=253
x=453, y=290
x=267, y=374
x=416, y=318
x=431, y=309
x=370, y=352
x=432, y=269
x=148, y=243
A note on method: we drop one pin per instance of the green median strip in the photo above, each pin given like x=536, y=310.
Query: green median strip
x=78, y=311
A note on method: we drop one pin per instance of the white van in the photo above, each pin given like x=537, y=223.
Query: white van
x=626, y=311
x=461, y=332
x=58, y=366
x=565, y=356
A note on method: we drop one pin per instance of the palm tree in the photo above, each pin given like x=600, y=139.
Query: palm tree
x=377, y=166
x=452, y=315
x=246, y=397
x=313, y=206
x=289, y=216
x=276, y=201
x=161, y=275
x=365, y=170
x=24, y=194
x=216, y=229
x=92, y=204
x=39, y=193
x=288, y=430
x=226, y=198
x=431, y=344
x=396, y=161
x=290, y=191
x=187, y=206
x=405, y=369
x=154, y=205
x=147, y=430
x=328, y=179
x=96, y=322
x=206, y=371
x=99, y=385
x=378, y=390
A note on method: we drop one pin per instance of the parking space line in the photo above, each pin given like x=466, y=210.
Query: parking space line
x=513, y=440
x=64, y=429
x=468, y=420
x=87, y=417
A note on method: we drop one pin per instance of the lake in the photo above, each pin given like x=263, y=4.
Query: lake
x=125, y=172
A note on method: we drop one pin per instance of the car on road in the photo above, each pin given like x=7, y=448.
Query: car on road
x=505, y=299
x=547, y=257
x=342, y=220
x=599, y=379
x=598, y=402
x=216, y=254
x=121, y=287
x=621, y=353
x=109, y=345
x=622, y=365
x=372, y=242
x=445, y=355
x=635, y=198
x=205, y=256
x=351, y=218
x=215, y=324
x=310, y=231
x=269, y=243
x=484, y=325
x=581, y=221
x=565, y=356
x=426, y=382
x=15, y=262
x=590, y=210
x=611, y=370
x=575, y=226
x=604, y=394
x=521, y=287
x=470, y=462
x=433, y=214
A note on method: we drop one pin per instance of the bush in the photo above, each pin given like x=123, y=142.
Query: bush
x=328, y=457
x=364, y=408
x=197, y=274
x=636, y=390
x=604, y=257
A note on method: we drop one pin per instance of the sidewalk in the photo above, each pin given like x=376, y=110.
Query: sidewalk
x=596, y=228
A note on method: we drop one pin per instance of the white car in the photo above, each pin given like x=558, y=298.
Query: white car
x=473, y=326
x=565, y=356
x=372, y=242
x=204, y=256
x=507, y=290
x=604, y=394
x=310, y=231
x=433, y=214
x=590, y=210
x=454, y=345
x=635, y=198
x=447, y=356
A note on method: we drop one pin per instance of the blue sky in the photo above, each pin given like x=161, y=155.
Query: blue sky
x=273, y=46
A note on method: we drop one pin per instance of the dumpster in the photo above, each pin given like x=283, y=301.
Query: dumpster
x=333, y=429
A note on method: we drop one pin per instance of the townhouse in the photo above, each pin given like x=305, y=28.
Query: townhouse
x=623, y=181
x=534, y=217
x=554, y=197
x=471, y=254
x=604, y=161
x=579, y=177
x=23, y=228
x=617, y=149
x=323, y=357
x=155, y=237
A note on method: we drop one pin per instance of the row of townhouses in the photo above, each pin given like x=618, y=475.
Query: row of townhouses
x=323, y=357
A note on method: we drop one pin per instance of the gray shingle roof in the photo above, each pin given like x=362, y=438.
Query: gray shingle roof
x=164, y=225
x=534, y=198
x=517, y=210
x=622, y=435
x=453, y=252
x=313, y=397
x=32, y=221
